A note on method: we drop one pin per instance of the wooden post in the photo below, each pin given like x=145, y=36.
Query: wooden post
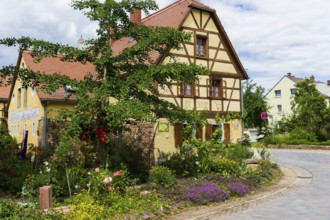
x=45, y=197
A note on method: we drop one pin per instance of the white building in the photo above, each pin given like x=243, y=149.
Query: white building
x=280, y=96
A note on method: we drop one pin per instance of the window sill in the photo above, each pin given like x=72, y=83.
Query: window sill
x=202, y=58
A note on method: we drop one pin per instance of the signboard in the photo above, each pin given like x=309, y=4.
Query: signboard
x=264, y=115
x=30, y=114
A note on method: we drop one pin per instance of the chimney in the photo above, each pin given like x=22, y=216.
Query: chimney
x=312, y=78
x=328, y=82
x=289, y=75
x=136, y=16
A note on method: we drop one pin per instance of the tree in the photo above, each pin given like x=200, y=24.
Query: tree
x=254, y=105
x=129, y=77
x=309, y=107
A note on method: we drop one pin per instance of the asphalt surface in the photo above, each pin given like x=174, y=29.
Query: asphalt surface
x=303, y=193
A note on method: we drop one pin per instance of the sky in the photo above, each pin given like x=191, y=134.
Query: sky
x=271, y=38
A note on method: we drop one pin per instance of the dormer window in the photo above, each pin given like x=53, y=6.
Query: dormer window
x=201, y=46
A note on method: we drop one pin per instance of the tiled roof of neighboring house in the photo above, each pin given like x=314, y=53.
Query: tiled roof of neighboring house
x=296, y=79
x=171, y=16
x=323, y=88
x=4, y=90
x=4, y=93
x=49, y=65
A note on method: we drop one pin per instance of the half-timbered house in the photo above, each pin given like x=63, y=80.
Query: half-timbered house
x=219, y=92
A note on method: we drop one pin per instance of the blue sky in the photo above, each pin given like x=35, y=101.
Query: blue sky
x=271, y=38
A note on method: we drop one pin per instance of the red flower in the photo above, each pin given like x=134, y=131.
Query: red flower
x=118, y=173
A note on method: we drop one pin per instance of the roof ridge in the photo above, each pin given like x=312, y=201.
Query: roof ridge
x=197, y=3
x=165, y=9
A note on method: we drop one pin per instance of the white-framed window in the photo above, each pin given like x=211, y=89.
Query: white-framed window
x=279, y=108
x=278, y=93
x=293, y=91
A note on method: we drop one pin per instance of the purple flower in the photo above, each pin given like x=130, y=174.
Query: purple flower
x=206, y=193
x=239, y=188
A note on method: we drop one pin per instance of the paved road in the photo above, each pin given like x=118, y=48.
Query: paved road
x=309, y=202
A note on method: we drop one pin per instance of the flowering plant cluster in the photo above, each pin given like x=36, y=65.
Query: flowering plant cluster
x=206, y=193
x=239, y=188
x=68, y=153
x=104, y=181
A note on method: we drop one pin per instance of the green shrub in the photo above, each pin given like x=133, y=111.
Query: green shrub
x=224, y=166
x=183, y=165
x=8, y=209
x=301, y=134
x=163, y=176
x=237, y=153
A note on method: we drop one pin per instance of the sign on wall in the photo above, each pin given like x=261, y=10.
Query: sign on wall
x=30, y=114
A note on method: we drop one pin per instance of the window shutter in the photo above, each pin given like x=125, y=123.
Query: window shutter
x=208, y=91
x=193, y=89
x=199, y=131
x=178, y=135
x=178, y=88
x=208, y=132
x=198, y=89
x=224, y=85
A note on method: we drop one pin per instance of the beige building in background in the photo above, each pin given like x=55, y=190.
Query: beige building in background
x=280, y=96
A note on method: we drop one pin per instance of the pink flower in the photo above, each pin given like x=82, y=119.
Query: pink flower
x=118, y=173
x=107, y=180
x=97, y=170
x=110, y=188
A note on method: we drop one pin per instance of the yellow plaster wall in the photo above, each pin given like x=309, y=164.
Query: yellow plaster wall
x=201, y=62
x=180, y=51
x=224, y=67
x=205, y=17
x=202, y=104
x=53, y=109
x=216, y=105
x=211, y=26
x=235, y=130
x=16, y=123
x=190, y=50
x=214, y=40
x=189, y=22
x=165, y=141
x=222, y=55
x=188, y=104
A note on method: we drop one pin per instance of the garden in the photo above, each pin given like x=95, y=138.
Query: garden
x=112, y=179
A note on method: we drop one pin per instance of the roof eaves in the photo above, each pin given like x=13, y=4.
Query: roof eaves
x=276, y=85
x=58, y=100
x=202, y=8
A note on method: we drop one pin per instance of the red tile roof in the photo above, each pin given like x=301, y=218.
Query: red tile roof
x=49, y=65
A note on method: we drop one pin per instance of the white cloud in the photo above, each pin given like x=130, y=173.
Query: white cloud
x=270, y=37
